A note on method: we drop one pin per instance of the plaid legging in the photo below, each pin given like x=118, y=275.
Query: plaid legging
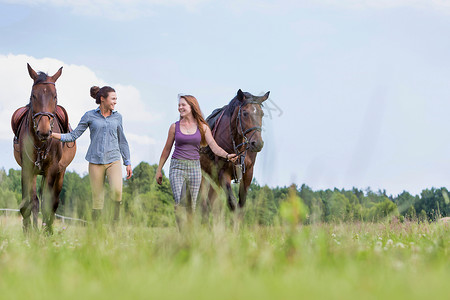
x=184, y=174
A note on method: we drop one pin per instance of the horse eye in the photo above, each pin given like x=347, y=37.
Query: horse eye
x=245, y=114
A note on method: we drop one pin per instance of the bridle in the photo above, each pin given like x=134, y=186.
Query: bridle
x=50, y=115
x=245, y=143
x=43, y=150
x=244, y=133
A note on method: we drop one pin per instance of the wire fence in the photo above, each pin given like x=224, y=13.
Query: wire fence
x=63, y=218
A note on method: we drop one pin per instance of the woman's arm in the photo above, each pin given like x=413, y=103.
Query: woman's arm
x=124, y=148
x=165, y=153
x=216, y=148
x=76, y=133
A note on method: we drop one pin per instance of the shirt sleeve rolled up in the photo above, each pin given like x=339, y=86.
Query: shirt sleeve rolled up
x=77, y=132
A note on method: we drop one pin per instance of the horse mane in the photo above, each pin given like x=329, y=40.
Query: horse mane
x=42, y=77
x=235, y=103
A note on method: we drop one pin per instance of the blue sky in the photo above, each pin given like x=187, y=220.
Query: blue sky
x=362, y=86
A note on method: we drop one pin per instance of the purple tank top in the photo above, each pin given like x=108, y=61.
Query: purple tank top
x=186, y=145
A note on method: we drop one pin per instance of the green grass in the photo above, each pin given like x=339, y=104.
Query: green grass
x=343, y=261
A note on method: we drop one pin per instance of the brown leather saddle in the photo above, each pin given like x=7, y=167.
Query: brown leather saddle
x=20, y=114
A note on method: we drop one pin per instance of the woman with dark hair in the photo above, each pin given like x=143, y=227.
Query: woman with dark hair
x=188, y=133
x=108, y=144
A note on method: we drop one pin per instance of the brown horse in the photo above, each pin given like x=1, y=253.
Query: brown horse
x=37, y=153
x=236, y=128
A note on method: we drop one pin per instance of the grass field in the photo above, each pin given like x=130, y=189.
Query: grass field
x=342, y=261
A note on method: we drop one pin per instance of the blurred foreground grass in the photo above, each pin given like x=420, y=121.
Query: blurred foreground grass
x=343, y=261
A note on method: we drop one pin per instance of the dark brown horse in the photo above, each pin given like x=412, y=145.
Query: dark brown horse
x=37, y=153
x=236, y=128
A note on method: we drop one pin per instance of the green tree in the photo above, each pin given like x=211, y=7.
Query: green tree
x=410, y=213
x=337, y=207
x=422, y=216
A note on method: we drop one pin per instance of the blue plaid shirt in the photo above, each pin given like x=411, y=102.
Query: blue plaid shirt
x=108, y=141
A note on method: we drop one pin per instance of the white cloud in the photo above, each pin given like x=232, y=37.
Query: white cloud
x=130, y=104
x=141, y=140
x=73, y=93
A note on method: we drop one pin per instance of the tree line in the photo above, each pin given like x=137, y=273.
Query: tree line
x=146, y=202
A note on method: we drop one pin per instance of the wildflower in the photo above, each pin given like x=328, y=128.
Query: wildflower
x=398, y=265
x=400, y=245
x=377, y=247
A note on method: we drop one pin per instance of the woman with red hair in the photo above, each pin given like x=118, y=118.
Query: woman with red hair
x=188, y=133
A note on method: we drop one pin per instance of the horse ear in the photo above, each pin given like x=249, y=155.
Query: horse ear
x=32, y=72
x=57, y=74
x=240, y=95
x=264, y=98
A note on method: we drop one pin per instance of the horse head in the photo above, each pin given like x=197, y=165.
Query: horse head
x=248, y=119
x=43, y=101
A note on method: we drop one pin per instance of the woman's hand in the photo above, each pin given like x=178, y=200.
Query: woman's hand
x=232, y=157
x=56, y=135
x=158, y=177
x=129, y=172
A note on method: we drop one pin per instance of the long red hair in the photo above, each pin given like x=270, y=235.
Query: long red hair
x=197, y=114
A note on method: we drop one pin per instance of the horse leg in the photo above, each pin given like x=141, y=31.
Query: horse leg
x=208, y=195
x=203, y=195
x=45, y=204
x=50, y=201
x=57, y=187
x=35, y=209
x=226, y=184
x=28, y=193
x=243, y=187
